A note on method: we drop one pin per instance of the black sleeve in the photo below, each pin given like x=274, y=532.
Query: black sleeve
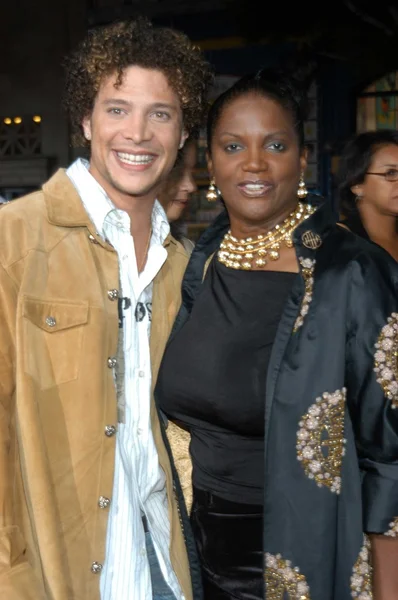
x=372, y=386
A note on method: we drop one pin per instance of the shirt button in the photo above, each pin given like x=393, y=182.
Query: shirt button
x=51, y=322
x=142, y=551
x=139, y=431
x=110, y=430
x=113, y=295
x=103, y=502
x=141, y=373
x=111, y=362
x=96, y=568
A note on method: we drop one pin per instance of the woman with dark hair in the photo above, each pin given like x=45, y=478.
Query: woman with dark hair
x=176, y=191
x=368, y=187
x=281, y=370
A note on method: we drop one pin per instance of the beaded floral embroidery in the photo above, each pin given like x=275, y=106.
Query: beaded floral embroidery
x=386, y=359
x=281, y=579
x=361, y=578
x=308, y=266
x=320, y=440
x=393, y=531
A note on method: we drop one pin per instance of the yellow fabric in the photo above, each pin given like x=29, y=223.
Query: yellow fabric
x=57, y=329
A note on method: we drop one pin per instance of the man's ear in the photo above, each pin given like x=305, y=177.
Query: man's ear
x=86, y=125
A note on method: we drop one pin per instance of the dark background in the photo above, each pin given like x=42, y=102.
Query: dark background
x=344, y=45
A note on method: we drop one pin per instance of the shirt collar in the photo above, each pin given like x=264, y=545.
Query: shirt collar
x=101, y=209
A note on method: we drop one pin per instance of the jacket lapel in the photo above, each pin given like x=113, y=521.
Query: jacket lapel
x=64, y=206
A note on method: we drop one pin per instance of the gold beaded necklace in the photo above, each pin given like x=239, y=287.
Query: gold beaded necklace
x=249, y=253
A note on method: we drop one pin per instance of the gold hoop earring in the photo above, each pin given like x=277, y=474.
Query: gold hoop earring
x=302, y=191
x=212, y=194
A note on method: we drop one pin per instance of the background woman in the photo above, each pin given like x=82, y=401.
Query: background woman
x=176, y=192
x=281, y=366
x=368, y=187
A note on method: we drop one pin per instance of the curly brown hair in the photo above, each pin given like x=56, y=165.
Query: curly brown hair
x=112, y=48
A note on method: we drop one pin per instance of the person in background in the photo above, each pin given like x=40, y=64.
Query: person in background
x=176, y=192
x=281, y=366
x=89, y=287
x=367, y=187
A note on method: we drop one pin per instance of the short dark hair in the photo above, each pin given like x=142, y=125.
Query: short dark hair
x=113, y=48
x=276, y=84
x=355, y=160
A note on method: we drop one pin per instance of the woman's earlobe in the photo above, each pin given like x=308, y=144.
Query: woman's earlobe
x=209, y=165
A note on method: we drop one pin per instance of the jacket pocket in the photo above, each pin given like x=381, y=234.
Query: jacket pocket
x=53, y=335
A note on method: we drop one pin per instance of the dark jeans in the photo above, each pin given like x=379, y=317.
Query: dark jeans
x=229, y=537
x=160, y=589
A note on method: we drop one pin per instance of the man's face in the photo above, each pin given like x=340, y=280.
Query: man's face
x=135, y=131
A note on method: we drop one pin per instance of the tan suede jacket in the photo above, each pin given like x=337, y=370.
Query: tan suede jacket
x=58, y=327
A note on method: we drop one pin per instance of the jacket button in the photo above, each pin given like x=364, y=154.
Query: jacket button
x=92, y=239
x=51, y=322
x=113, y=294
x=96, y=568
x=112, y=362
x=103, y=502
x=110, y=430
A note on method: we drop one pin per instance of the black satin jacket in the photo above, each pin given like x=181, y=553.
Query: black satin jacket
x=331, y=431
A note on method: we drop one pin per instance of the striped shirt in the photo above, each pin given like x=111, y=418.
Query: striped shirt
x=139, y=482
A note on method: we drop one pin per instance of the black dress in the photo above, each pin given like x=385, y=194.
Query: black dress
x=212, y=381
x=331, y=413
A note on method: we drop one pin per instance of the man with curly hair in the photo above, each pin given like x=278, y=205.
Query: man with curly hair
x=89, y=287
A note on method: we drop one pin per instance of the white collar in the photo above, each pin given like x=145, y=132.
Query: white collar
x=100, y=207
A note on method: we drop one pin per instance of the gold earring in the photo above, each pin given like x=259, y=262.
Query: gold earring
x=302, y=191
x=211, y=194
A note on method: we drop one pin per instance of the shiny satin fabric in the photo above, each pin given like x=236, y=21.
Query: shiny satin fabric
x=341, y=312
x=229, y=540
